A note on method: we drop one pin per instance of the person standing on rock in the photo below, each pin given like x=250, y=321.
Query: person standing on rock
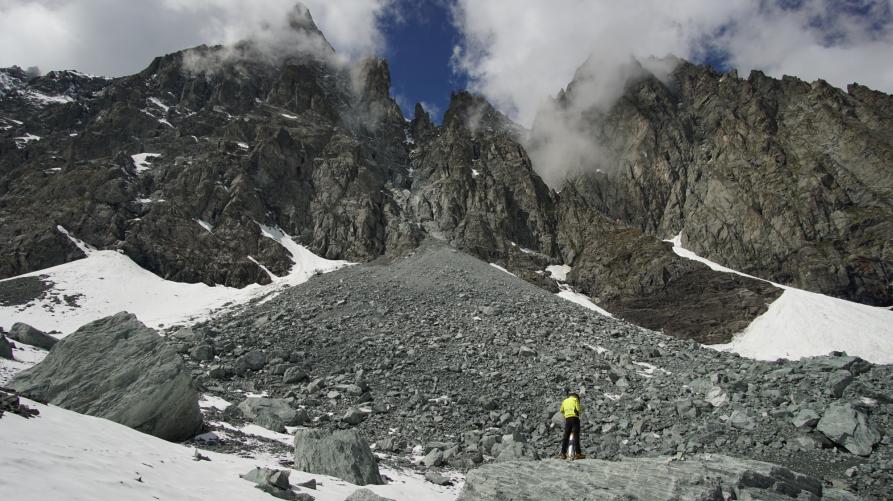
x=571, y=410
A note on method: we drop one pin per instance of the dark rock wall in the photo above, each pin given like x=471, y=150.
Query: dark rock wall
x=760, y=174
x=782, y=179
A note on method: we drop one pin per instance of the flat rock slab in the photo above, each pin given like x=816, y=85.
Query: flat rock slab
x=664, y=478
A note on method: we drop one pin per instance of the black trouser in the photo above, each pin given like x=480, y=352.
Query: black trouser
x=571, y=425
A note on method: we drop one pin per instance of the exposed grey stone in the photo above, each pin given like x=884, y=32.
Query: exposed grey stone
x=272, y=413
x=838, y=382
x=118, y=369
x=742, y=420
x=807, y=418
x=5, y=348
x=253, y=360
x=366, y=495
x=294, y=375
x=353, y=416
x=343, y=454
x=204, y=353
x=664, y=478
x=433, y=458
x=437, y=479
x=273, y=482
x=516, y=451
x=26, y=334
x=849, y=428
x=717, y=397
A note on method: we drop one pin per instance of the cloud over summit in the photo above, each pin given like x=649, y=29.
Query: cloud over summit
x=518, y=53
x=114, y=38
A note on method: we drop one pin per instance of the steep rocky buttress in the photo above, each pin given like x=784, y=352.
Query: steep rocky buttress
x=782, y=179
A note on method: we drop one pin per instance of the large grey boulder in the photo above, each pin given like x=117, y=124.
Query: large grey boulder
x=704, y=476
x=26, y=334
x=119, y=369
x=272, y=413
x=848, y=427
x=273, y=482
x=5, y=348
x=343, y=454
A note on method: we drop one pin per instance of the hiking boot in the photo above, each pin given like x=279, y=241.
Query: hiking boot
x=579, y=456
x=561, y=456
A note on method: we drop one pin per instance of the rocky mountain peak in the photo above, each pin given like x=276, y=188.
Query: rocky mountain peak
x=421, y=126
x=373, y=79
x=474, y=112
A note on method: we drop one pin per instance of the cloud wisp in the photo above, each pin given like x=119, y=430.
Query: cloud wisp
x=519, y=53
x=114, y=38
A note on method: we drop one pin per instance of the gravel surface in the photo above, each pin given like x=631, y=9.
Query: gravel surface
x=444, y=351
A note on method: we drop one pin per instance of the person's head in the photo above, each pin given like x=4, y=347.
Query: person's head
x=575, y=395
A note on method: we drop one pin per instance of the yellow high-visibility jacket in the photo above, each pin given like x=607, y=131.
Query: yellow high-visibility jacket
x=571, y=407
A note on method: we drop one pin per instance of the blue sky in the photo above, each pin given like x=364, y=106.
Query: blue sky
x=419, y=46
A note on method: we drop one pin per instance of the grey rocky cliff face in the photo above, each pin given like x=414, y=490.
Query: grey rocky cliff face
x=781, y=179
x=474, y=186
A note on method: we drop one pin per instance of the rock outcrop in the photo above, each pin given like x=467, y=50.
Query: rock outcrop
x=847, y=426
x=26, y=334
x=712, y=477
x=343, y=454
x=117, y=368
x=5, y=348
x=782, y=179
x=272, y=413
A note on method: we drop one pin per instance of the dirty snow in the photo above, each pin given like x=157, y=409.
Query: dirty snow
x=804, y=324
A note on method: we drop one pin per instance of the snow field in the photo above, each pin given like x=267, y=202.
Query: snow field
x=64, y=455
x=107, y=282
x=805, y=324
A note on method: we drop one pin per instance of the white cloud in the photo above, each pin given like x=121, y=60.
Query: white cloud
x=517, y=53
x=113, y=37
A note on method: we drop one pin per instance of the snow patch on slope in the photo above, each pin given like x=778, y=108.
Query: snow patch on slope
x=559, y=272
x=24, y=357
x=107, y=282
x=142, y=161
x=64, y=455
x=42, y=99
x=568, y=293
x=805, y=324
x=500, y=268
x=306, y=264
